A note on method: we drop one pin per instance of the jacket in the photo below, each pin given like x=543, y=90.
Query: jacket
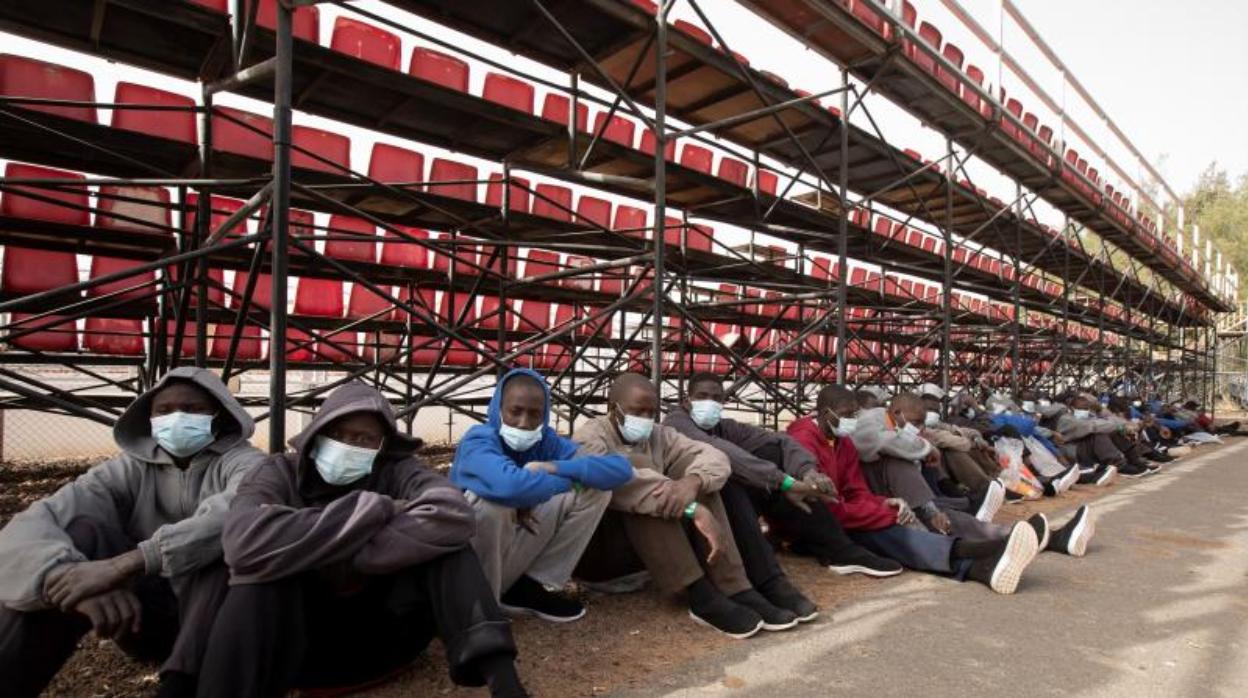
x=876, y=437
x=857, y=507
x=740, y=442
x=1073, y=429
x=175, y=514
x=948, y=437
x=286, y=520
x=666, y=455
x=486, y=466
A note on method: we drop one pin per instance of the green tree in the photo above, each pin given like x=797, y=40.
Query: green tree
x=1220, y=207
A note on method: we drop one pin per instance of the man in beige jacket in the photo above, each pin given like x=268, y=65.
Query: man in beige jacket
x=672, y=512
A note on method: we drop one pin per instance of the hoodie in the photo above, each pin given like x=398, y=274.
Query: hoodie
x=1073, y=429
x=286, y=520
x=486, y=466
x=877, y=437
x=857, y=507
x=740, y=442
x=175, y=514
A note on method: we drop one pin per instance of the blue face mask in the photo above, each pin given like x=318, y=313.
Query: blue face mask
x=636, y=429
x=519, y=440
x=183, y=434
x=339, y=463
x=705, y=413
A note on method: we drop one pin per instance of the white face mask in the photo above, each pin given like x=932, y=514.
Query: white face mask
x=931, y=419
x=183, y=434
x=705, y=413
x=1044, y=403
x=846, y=426
x=1082, y=414
x=636, y=429
x=910, y=429
x=998, y=409
x=339, y=463
x=1029, y=406
x=517, y=439
x=969, y=412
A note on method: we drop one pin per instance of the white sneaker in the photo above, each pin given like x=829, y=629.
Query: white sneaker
x=993, y=499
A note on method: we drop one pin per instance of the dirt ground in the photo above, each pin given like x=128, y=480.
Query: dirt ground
x=624, y=640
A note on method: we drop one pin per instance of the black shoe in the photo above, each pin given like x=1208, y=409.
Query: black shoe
x=859, y=560
x=993, y=497
x=774, y=617
x=726, y=616
x=176, y=684
x=1073, y=537
x=1002, y=572
x=949, y=488
x=1132, y=471
x=1106, y=475
x=1159, y=457
x=1040, y=524
x=527, y=597
x=781, y=592
x=1012, y=497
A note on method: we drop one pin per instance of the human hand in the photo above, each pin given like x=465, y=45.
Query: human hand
x=526, y=520
x=541, y=466
x=675, y=495
x=1058, y=439
x=932, y=459
x=67, y=585
x=820, y=482
x=940, y=522
x=905, y=516
x=705, y=522
x=113, y=613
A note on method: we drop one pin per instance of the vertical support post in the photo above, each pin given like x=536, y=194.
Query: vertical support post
x=660, y=192
x=1065, y=338
x=203, y=227
x=281, y=230
x=503, y=253
x=946, y=275
x=1016, y=326
x=842, y=237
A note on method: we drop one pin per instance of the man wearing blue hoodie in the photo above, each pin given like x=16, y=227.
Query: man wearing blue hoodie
x=537, y=503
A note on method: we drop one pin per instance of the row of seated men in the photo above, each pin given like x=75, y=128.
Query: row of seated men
x=335, y=563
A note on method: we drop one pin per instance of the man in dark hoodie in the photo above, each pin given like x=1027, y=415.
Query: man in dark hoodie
x=537, y=502
x=347, y=556
x=132, y=548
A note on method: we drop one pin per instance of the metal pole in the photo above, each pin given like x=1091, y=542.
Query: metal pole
x=1015, y=337
x=946, y=277
x=842, y=237
x=281, y=230
x=660, y=193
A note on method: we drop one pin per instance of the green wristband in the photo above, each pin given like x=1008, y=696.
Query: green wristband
x=691, y=510
x=787, y=483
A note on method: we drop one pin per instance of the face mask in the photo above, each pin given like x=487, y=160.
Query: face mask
x=636, y=429
x=910, y=429
x=998, y=409
x=339, y=463
x=931, y=419
x=705, y=413
x=183, y=434
x=846, y=426
x=1029, y=406
x=519, y=440
x=1082, y=414
x=969, y=412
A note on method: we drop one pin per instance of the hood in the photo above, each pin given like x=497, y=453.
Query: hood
x=494, y=416
x=133, y=430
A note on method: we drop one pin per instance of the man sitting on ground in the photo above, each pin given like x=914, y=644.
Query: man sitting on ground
x=132, y=548
x=537, y=502
x=347, y=556
x=966, y=455
x=677, y=482
x=1096, y=440
x=774, y=476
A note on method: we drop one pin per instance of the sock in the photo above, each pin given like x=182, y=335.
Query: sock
x=500, y=675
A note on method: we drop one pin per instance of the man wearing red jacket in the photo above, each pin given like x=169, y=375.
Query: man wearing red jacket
x=887, y=526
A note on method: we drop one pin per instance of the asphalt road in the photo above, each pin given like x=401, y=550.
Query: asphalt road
x=1159, y=607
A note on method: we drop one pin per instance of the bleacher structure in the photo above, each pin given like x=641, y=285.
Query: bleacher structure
x=590, y=247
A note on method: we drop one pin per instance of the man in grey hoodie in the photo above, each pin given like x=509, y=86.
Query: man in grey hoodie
x=347, y=556
x=132, y=548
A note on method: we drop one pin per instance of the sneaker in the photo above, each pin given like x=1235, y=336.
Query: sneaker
x=1040, y=523
x=1003, y=572
x=781, y=592
x=994, y=497
x=1108, y=473
x=1067, y=480
x=1012, y=497
x=1073, y=538
x=1159, y=457
x=1151, y=469
x=859, y=560
x=774, y=617
x=527, y=597
x=1132, y=471
x=727, y=616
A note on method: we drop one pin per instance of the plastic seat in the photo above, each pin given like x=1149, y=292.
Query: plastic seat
x=27, y=77
x=618, y=130
x=649, y=143
x=971, y=97
x=439, y=68
x=540, y=263
x=509, y=92
x=951, y=81
x=555, y=108
x=518, y=198
x=367, y=43
x=337, y=347
x=931, y=36
x=579, y=283
x=465, y=257
x=334, y=147
x=114, y=336
x=461, y=175
x=592, y=211
x=693, y=31
x=174, y=125
x=362, y=247
x=28, y=270
x=733, y=170
x=305, y=23
x=364, y=303
x=868, y=16
x=699, y=237
x=250, y=348
x=630, y=221
x=261, y=296
x=151, y=218
x=53, y=333
x=396, y=252
x=534, y=315
x=222, y=6
x=553, y=201
x=318, y=297
x=392, y=164
x=252, y=138
x=768, y=182
x=696, y=157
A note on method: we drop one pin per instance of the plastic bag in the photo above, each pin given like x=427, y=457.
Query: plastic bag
x=1042, y=460
x=1014, y=473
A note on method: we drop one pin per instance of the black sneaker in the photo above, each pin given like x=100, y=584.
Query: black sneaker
x=774, y=617
x=1159, y=457
x=728, y=617
x=1040, y=524
x=1152, y=469
x=1107, y=475
x=859, y=560
x=994, y=497
x=1073, y=538
x=781, y=592
x=527, y=597
x=1012, y=497
x=1002, y=572
x=1132, y=471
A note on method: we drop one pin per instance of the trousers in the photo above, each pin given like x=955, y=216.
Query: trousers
x=918, y=550
x=969, y=470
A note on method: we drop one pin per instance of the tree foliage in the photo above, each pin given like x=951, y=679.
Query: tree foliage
x=1220, y=207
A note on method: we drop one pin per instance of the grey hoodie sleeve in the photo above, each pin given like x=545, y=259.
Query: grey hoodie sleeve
x=187, y=545
x=735, y=443
x=1073, y=429
x=873, y=438
x=796, y=461
x=431, y=518
x=35, y=540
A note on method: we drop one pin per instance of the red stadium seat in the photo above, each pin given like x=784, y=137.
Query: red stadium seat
x=128, y=212
x=27, y=77
x=518, y=197
x=461, y=177
x=540, y=263
x=366, y=42
x=534, y=315
x=298, y=345
x=553, y=201
x=397, y=253
x=30, y=270
x=699, y=237
x=630, y=221
x=392, y=164
x=580, y=283
x=868, y=16
x=952, y=81
x=325, y=145
x=590, y=210
x=122, y=337
x=249, y=348
x=364, y=303
x=337, y=347
x=768, y=182
x=931, y=36
x=252, y=138
x=555, y=108
x=222, y=6
x=971, y=97
x=362, y=247
x=262, y=294
x=696, y=157
x=648, y=143
x=733, y=170
x=619, y=129
x=305, y=24
x=509, y=92
x=439, y=68
x=174, y=125
x=318, y=297
x=188, y=337
x=692, y=31
x=52, y=333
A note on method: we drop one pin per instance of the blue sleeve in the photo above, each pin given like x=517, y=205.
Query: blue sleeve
x=481, y=467
x=1171, y=423
x=1046, y=442
x=596, y=472
x=1133, y=413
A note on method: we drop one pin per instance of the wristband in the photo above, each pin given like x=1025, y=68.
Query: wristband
x=787, y=483
x=691, y=510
